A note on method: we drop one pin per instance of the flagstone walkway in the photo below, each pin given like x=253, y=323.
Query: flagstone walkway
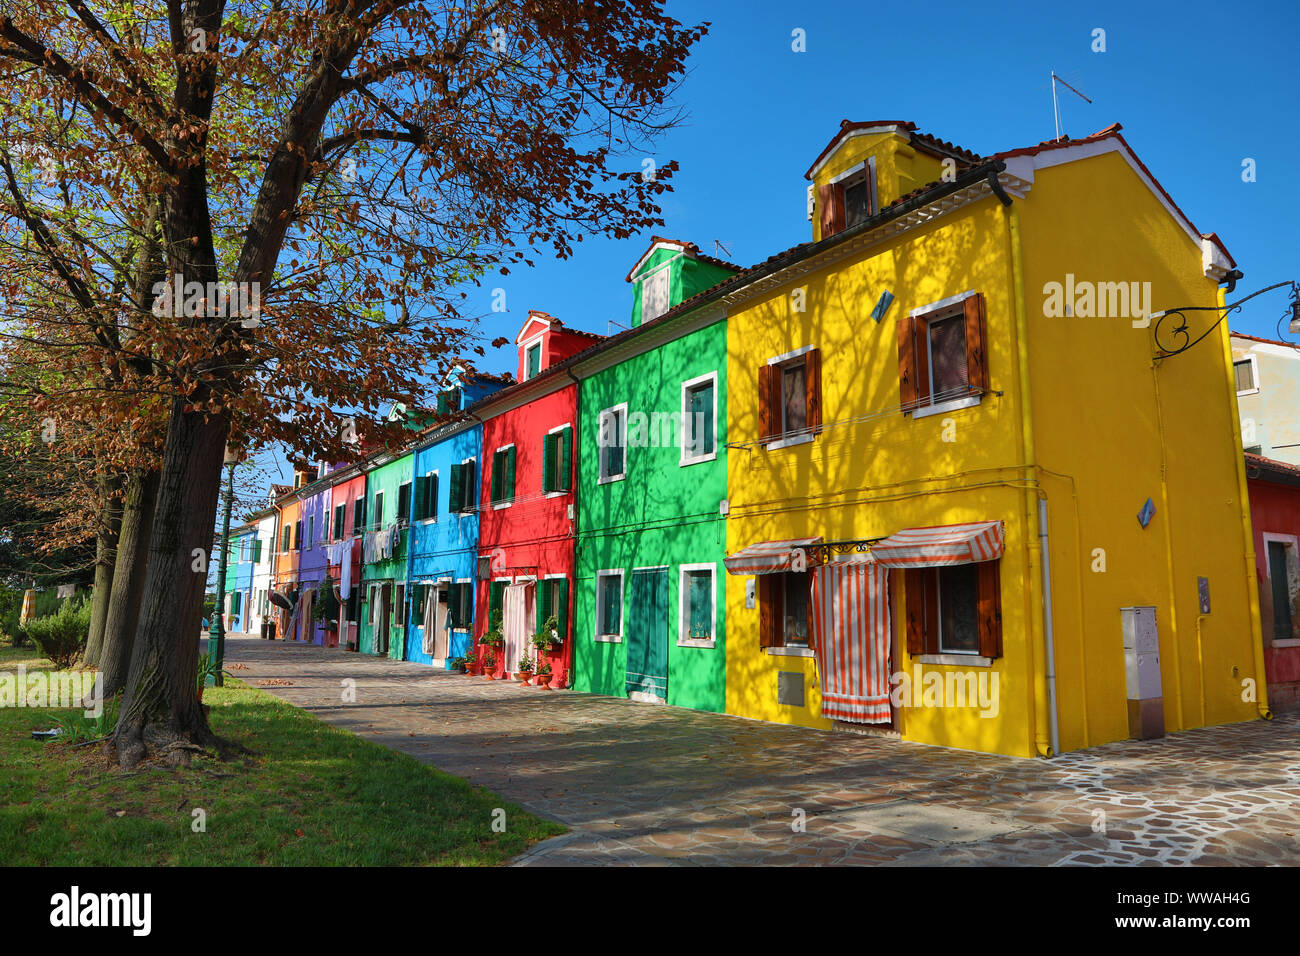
x=646, y=785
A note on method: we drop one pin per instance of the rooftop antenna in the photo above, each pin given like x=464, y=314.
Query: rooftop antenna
x=720, y=250
x=610, y=324
x=1056, y=109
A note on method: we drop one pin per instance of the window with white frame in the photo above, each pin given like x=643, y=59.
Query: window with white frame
x=1246, y=373
x=609, y=605
x=612, y=443
x=697, y=623
x=654, y=294
x=700, y=418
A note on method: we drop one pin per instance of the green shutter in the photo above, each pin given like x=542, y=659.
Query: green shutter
x=562, y=609
x=469, y=490
x=494, y=489
x=566, y=458
x=257, y=551
x=467, y=604
x=496, y=600
x=431, y=497
x=510, y=473
x=548, y=462
x=702, y=406
x=544, y=591
x=457, y=486
x=421, y=498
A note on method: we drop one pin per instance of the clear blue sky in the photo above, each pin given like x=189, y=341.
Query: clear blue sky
x=1198, y=87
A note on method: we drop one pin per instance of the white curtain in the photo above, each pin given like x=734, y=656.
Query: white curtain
x=514, y=622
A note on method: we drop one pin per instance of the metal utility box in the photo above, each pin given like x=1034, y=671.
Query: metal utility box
x=1146, y=707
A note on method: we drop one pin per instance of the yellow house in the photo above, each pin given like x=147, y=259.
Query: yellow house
x=971, y=500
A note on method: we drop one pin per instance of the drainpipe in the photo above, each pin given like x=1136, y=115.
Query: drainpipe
x=1243, y=495
x=573, y=587
x=1048, y=637
x=1043, y=663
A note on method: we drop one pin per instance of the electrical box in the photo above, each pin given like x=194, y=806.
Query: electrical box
x=1142, y=672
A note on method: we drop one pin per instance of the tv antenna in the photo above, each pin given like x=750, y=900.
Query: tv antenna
x=1056, y=109
x=720, y=250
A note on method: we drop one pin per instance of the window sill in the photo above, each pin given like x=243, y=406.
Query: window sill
x=712, y=456
x=609, y=638
x=610, y=478
x=1285, y=642
x=556, y=494
x=950, y=406
x=425, y=521
x=790, y=651
x=954, y=660
x=500, y=505
x=697, y=642
x=789, y=442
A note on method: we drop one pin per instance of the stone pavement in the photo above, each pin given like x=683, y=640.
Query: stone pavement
x=649, y=785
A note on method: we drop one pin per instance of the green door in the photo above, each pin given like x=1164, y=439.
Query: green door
x=647, y=634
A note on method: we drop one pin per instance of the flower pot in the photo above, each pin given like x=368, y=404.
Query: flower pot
x=544, y=682
x=525, y=677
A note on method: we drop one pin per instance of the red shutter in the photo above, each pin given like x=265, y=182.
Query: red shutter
x=766, y=402
x=768, y=612
x=907, y=362
x=921, y=349
x=914, y=595
x=826, y=206
x=977, y=363
x=990, y=609
x=812, y=379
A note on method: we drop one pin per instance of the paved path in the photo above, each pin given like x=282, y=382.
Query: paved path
x=652, y=785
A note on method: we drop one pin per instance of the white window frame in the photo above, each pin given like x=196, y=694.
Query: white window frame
x=1294, y=543
x=794, y=439
x=311, y=532
x=409, y=483
x=1254, y=373
x=473, y=599
x=654, y=276
x=953, y=404
x=686, y=458
x=502, y=505
x=558, y=494
x=434, y=519
x=376, y=506
x=602, y=479
x=475, y=507
x=528, y=346
x=938, y=604
x=684, y=606
x=600, y=611
x=867, y=170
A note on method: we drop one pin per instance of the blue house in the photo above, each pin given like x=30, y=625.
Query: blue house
x=444, y=526
x=245, y=551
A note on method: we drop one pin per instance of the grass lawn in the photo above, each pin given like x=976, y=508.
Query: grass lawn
x=313, y=795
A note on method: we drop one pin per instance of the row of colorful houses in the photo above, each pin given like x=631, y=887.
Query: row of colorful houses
x=927, y=475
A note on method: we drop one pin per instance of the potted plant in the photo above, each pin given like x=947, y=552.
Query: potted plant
x=547, y=636
x=525, y=669
x=489, y=665
x=469, y=663
x=544, y=675
x=495, y=636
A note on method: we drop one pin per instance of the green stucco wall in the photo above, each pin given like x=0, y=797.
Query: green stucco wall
x=388, y=479
x=687, y=278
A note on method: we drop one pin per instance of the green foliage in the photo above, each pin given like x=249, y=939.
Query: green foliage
x=61, y=636
x=545, y=638
x=207, y=667
x=11, y=607
x=495, y=636
x=78, y=728
x=525, y=665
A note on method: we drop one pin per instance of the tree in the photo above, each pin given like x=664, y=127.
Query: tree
x=362, y=160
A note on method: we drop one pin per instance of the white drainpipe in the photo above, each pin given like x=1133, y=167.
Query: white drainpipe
x=1047, y=624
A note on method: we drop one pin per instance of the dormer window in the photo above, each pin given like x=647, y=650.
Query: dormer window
x=533, y=361
x=857, y=200
x=654, y=295
x=848, y=199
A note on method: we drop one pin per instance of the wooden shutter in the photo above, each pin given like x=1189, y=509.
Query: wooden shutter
x=297, y=536
x=768, y=380
x=830, y=209
x=914, y=596
x=359, y=515
x=431, y=496
x=467, y=604
x=257, y=551
x=544, y=607
x=510, y=473
x=562, y=607
x=812, y=380
x=566, y=459
x=977, y=364
x=498, y=476
x=457, y=487
x=496, y=600
x=770, y=599
x=990, y=608
x=469, y=490
x=907, y=370
x=548, y=462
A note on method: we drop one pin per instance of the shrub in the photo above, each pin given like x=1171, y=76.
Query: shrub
x=61, y=636
x=11, y=607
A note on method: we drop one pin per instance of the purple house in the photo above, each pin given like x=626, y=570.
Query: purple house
x=313, y=560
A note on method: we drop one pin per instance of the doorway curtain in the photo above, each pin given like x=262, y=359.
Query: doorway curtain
x=850, y=617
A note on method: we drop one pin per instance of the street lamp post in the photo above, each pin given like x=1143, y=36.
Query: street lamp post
x=216, y=628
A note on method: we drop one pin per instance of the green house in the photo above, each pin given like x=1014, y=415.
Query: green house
x=649, y=609
x=383, y=610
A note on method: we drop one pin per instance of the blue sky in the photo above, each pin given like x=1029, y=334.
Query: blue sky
x=1198, y=88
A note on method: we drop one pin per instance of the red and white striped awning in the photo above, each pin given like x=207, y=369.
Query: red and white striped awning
x=941, y=545
x=768, y=557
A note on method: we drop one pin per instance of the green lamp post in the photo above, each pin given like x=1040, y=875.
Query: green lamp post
x=216, y=628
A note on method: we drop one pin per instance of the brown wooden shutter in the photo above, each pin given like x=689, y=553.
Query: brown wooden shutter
x=812, y=380
x=830, y=209
x=914, y=595
x=977, y=362
x=767, y=379
x=907, y=371
x=990, y=609
x=767, y=611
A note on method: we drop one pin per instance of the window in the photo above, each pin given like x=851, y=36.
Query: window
x=379, y=509
x=612, y=440
x=790, y=402
x=257, y=551
x=426, y=496
x=609, y=605
x=532, y=361
x=311, y=532
x=297, y=536
x=783, y=609
x=553, y=601
x=496, y=603
x=284, y=538
x=359, y=515
x=699, y=419
x=340, y=512
x=557, y=460
x=399, y=607
x=1246, y=373
x=463, y=493
x=954, y=610
x=460, y=605
x=696, y=626
x=449, y=401
x=403, y=503
x=941, y=357
x=503, y=475
x=848, y=200
x=236, y=601
x=654, y=294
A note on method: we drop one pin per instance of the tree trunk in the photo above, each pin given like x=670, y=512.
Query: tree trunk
x=161, y=715
x=128, y=577
x=105, y=559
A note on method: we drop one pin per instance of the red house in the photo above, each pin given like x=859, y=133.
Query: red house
x=1275, y=517
x=527, y=513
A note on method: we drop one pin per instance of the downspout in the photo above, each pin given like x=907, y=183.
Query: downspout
x=1049, y=643
x=1243, y=495
x=1046, y=737
x=573, y=589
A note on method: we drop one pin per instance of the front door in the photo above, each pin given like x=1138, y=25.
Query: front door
x=440, y=625
x=384, y=618
x=647, y=636
x=1277, y=573
x=516, y=618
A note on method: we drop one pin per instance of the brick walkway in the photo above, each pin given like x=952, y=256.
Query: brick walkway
x=651, y=785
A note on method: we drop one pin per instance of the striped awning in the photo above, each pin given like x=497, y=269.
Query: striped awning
x=941, y=545
x=768, y=557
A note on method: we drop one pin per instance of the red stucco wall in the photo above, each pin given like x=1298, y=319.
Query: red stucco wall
x=1275, y=509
